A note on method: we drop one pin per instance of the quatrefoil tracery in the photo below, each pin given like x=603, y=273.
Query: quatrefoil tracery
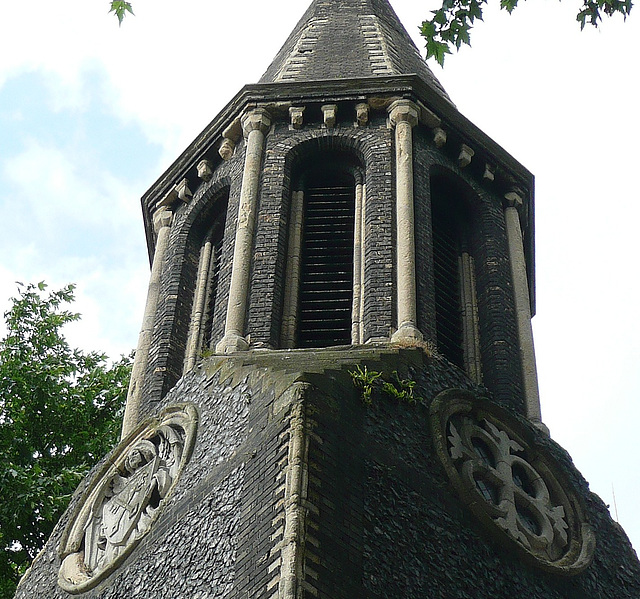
x=511, y=482
x=516, y=495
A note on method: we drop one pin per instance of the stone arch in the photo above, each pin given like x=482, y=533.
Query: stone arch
x=203, y=254
x=454, y=208
x=322, y=291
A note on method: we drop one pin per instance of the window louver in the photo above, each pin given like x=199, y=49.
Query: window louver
x=212, y=291
x=446, y=250
x=326, y=284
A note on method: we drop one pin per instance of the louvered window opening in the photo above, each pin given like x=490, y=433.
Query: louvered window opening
x=446, y=252
x=212, y=292
x=326, y=282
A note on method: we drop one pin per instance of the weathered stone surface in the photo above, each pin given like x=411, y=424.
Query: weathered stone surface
x=379, y=516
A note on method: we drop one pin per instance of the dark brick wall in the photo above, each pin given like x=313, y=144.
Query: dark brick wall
x=370, y=150
x=215, y=532
x=383, y=520
x=392, y=525
x=499, y=346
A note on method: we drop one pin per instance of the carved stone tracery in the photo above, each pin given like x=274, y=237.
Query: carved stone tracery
x=517, y=489
x=515, y=494
x=123, y=500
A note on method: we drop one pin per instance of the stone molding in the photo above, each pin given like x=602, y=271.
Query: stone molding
x=403, y=111
x=329, y=115
x=362, y=114
x=511, y=482
x=184, y=193
x=125, y=497
x=205, y=170
x=296, y=116
x=439, y=137
x=257, y=119
x=466, y=155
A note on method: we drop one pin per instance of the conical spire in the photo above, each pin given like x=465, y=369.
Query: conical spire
x=347, y=39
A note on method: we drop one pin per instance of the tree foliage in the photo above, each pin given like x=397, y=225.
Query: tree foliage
x=451, y=24
x=59, y=414
x=120, y=9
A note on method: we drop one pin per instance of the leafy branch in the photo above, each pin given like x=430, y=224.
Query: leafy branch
x=60, y=411
x=451, y=24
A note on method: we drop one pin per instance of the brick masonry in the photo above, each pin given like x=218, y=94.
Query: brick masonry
x=370, y=151
x=380, y=517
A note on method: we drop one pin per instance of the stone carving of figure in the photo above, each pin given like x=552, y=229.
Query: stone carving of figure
x=122, y=508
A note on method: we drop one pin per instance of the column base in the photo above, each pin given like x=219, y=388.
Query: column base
x=407, y=333
x=230, y=343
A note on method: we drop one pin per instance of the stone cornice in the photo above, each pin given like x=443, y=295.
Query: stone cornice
x=379, y=93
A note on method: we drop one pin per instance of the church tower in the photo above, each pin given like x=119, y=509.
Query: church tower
x=334, y=393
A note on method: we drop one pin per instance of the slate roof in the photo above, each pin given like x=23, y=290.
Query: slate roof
x=348, y=39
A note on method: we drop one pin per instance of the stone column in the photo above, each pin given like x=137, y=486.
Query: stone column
x=292, y=279
x=523, y=307
x=403, y=115
x=162, y=226
x=470, y=338
x=199, y=302
x=255, y=124
x=356, y=316
x=363, y=244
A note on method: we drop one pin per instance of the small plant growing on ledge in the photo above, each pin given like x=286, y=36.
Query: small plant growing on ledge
x=367, y=380
x=364, y=380
x=400, y=389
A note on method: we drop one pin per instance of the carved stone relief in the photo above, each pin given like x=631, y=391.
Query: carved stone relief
x=125, y=497
x=512, y=484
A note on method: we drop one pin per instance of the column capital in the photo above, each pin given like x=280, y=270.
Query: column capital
x=257, y=119
x=162, y=218
x=513, y=199
x=403, y=111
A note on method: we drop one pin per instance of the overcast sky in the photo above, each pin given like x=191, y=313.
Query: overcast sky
x=91, y=114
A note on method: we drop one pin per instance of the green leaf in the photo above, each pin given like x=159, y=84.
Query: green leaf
x=120, y=8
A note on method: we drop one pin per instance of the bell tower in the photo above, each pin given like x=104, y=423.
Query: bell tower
x=334, y=391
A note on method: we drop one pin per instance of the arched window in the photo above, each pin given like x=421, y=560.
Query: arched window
x=206, y=284
x=326, y=273
x=454, y=276
x=320, y=308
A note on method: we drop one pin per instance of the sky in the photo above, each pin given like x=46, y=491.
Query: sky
x=91, y=114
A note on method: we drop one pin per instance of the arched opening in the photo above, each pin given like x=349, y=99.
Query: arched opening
x=207, y=245
x=322, y=300
x=456, y=312
x=326, y=273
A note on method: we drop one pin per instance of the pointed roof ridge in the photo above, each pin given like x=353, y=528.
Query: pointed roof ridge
x=349, y=39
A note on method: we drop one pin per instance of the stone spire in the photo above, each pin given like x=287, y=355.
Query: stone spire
x=348, y=39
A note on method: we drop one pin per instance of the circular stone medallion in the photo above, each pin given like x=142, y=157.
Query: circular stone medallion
x=124, y=497
x=510, y=482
